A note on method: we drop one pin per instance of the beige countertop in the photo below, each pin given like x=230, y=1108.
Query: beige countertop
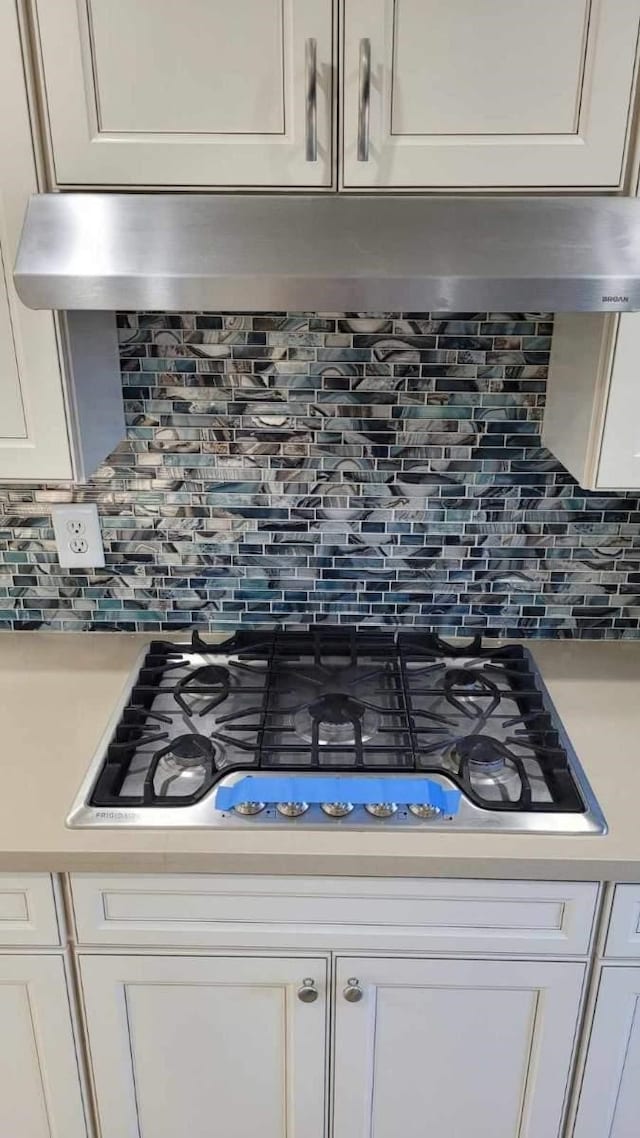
x=57, y=692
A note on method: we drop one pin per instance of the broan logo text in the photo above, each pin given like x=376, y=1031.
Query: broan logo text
x=615, y=300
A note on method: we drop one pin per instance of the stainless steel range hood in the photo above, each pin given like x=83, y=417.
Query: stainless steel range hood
x=336, y=252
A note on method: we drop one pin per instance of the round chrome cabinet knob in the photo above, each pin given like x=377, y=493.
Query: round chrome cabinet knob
x=422, y=810
x=292, y=809
x=381, y=809
x=307, y=992
x=248, y=808
x=337, y=809
x=352, y=992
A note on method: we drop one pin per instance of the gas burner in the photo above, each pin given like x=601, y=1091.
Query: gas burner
x=336, y=719
x=466, y=681
x=490, y=765
x=183, y=765
x=213, y=679
x=469, y=691
x=481, y=751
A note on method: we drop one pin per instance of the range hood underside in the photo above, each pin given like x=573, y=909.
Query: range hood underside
x=329, y=253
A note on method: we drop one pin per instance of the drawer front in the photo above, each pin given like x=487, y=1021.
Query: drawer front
x=28, y=910
x=554, y=918
x=623, y=936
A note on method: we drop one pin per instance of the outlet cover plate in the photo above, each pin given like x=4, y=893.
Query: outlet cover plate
x=78, y=537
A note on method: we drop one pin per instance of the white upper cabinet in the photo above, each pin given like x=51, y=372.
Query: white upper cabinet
x=487, y=93
x=206, y=1045
x=33, y=429
x=468, y=1048
x=55, y=424
x=592, y=413
x=189, y=92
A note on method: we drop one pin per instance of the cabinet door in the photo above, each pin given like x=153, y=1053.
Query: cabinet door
x=618, y=434
x=491, y=93
x=609, y=1105
x=476, y=1048
x=189, y=93
x=33, y=432
x=213, y=1045
x=40, y=1093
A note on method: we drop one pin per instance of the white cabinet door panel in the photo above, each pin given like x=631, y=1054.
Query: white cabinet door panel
x=463, y=75
x=33, y=432
x=12, y=421
x=623, y=934
x=28, y=915
x=40, y=1093
x=165, y=91
x=213, y=1045
x=609, y=1105
x=619, y=459
x=468, y=1047
x=156, y=92
x=468, y=93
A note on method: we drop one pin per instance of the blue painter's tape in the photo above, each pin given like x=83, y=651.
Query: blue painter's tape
x=359, y=789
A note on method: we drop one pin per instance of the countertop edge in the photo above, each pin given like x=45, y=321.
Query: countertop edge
x=299, y=865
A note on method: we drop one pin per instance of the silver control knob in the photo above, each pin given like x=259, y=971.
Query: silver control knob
x=337, y=809
x=381, y=809
x=352, y=992
x=422, y=810
x=247, y=808
x=307, y=992
x=292, y=809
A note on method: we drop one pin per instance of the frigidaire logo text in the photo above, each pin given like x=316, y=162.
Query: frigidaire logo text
x=615, y=300
x=116, y=815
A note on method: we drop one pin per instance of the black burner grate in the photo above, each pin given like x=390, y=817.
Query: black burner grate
x=341, y=700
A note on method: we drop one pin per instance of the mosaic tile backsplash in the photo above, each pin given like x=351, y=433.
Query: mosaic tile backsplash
x=299, y=468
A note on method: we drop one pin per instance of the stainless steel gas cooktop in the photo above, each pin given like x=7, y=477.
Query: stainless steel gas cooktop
x=337, y=728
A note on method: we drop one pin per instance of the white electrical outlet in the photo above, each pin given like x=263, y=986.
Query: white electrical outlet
x=78, y=537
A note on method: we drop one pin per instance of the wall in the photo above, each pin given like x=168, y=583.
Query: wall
x=304, y=468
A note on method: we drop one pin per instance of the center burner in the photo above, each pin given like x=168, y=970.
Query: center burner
x=336, y=718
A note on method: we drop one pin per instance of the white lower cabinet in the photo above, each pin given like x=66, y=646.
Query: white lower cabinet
x=40, y=1094
x=476, y=1048
x=207, y=1045
x=609, y=1104
x=291, y=1007
x=465, y=1048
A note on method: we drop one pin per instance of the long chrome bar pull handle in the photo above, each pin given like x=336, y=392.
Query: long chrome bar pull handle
x=311, y=100
x=364, y=99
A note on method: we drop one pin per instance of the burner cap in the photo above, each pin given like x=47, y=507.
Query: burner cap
x=213, y=674
x=463, y=678
x=182, y=765
x=336, y=719
x=470, y=691
x=336, y=708
x=481, y=750
x=189, y=751
x=491, y=768
x=212, y=677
